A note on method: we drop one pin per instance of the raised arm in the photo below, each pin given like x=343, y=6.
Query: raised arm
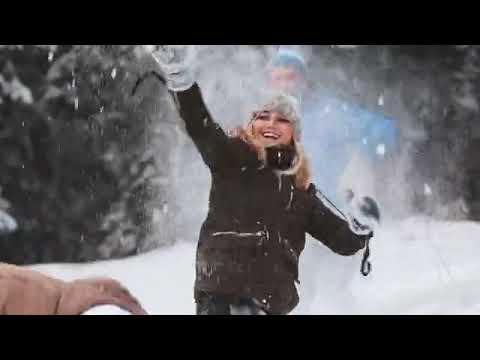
x=218, y=150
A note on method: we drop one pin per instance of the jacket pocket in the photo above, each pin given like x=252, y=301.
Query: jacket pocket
x=236, y=240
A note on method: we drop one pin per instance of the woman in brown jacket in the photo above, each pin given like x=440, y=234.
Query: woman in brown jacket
x=262, y=203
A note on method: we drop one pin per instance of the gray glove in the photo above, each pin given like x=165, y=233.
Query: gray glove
x=173, y=61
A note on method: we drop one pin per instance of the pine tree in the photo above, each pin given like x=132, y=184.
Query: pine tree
x=76, y=164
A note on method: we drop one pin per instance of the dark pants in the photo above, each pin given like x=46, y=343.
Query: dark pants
x=209, y=304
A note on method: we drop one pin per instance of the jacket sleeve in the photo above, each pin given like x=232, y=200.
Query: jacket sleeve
x=332, y=230
x=216, y=148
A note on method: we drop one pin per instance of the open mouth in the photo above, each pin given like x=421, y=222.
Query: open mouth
x=270, y=135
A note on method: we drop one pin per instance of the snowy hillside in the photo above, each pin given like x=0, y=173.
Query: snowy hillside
x=419, y=267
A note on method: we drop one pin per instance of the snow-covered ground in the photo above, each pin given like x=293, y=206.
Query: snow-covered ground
x=419, y=267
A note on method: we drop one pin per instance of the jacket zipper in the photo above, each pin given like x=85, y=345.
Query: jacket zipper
x=239, y=234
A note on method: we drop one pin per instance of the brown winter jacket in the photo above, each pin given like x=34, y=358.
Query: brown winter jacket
x=255, y=229
x=27, y=292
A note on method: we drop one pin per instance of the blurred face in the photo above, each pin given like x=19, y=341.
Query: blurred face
x=272, y=128
x=287, y=80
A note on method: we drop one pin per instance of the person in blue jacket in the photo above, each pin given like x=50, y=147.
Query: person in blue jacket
x=335, y=130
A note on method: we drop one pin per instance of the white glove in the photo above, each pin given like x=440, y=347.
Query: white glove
x=173, y=61
x=364, y=213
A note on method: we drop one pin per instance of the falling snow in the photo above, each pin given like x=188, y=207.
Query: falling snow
x=416, y=288
x=381, y=149
x=381, y=100
x=427, y=190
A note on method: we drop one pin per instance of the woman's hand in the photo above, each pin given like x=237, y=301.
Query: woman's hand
x=174, y=63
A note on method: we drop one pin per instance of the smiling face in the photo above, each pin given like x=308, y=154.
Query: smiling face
x=272, y=128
